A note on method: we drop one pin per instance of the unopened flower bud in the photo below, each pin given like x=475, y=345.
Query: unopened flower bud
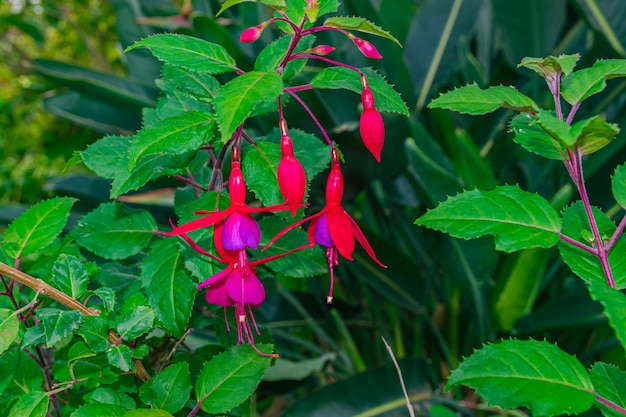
x=291, y=176
x=252, y=33
x=366, y=48
x=371, y=126
x=322, y=50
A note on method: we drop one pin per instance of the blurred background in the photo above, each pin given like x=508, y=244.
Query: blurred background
x=64, y=82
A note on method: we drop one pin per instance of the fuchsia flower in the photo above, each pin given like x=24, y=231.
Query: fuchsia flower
x=291, y=176
x=333, y=227
x=321, y=50
x=365, y=47
x=371, y=125
x=252, y=33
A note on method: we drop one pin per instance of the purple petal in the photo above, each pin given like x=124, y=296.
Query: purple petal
x=322, y=235
x=244, y=287
x=240, y=231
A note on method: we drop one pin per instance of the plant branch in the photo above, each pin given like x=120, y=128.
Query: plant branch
x=313, y=117
x=617, y=234
x=610, y=404
x=578, y=244
x=409, y=406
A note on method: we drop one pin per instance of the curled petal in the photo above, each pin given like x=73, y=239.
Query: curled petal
x=201, y=223
x=239, y=232
x=244, y=287
x=340, y=229
x=360, y=237
x=215, y=279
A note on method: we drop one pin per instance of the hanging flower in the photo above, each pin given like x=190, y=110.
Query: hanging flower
x=371, y=125
x=252, y=33
x=291, y=176
x=332, y=227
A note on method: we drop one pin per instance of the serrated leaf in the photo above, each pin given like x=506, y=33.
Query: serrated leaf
x=517, y=219
x=385, y=97
x=471, y=99
x=277, y=4
x=169, y=389
x=113, y=231
x=202, y=87
x=593, y=134
x=145, y=412
x=552, y=66
x=534, y=139
x=174, y=136
x=107, y=296
x=272, y=55
x=582, y=263
x=555, y=127
x=609, y=382
x=582, y=84
x=59, y=324
x=135, y=323
x=121, y=356
x=229, y=378
x=237, y=99
x=512, y=373
x=9, y=328
x=70, y=276
x=33, y=336
x=33, y=404
x=99, y=410
x=614, y=303
x=188, y=52
x=359, y=24
x=618, y=185
x=110, y=396
x=37, y=227
x=95, y=332
x=171, y=292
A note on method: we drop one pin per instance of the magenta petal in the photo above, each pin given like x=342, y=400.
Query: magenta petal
x=240, y=231
x=246, y=288
x=218, y=295
x=322, y=235
x=212, y=280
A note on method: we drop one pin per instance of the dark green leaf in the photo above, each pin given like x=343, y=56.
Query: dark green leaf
x=77, y=351
x=359, y=24
x=511, y=373
x=110, y=396
x=99, y=410
x=551, y=66
x=231, y=377
x=609, y=382
x=272, y=55
x=618, y=185
x=170, y=290
x=614, y=303
x=33, y=404
x=534, y=139
x=237, y=99
x=471, y=99
x=607, y=18
x=95, y=332
x=9, y=328
x=37, y=227
x=385, y=97
x=144, y=412
x=70, y=276
x=169, y=389
x=582, y=84
x=517, y=219
x=135, y=323
x=59, y=324
x=203, y=87
x=285, y=369
x=121, y=356
x=114, y=231
x=188, y=52
x=33, y=336
x=107, y=296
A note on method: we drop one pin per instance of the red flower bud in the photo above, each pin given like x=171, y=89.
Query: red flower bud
x=322, y=50
x=236, y=183
x=371, y=126
x=252, y=33
x=366, y=48
x=291, y=176
x=334, y=183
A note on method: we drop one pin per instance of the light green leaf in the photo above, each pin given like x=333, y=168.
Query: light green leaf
x=272, y=55
x=609, y=382
x=95, y=332
x=33, y=404
x=59, y=324
x=169, y=389
x=121, y=356
x=471, y=99
x=555, y=127
x=229, y=378
x=582, y=84
x=237, y=99
x=202, y=87
x=37, y=227
x=107, y=296
x=135, y=323
x=385, y=97
x=99, y=410
x=277, y=4
x=188, y=52
x=618, y=185
x=174, y=136
x=110, y=396
x=512, y=373
x=9, y=328
x=593, y=134
x=285, y=369
x=517, y=219
x=534, y=139
x=70, y=275
x=359, y=24
x=114, y=231
x=552, y=66
x=614, y=303
x=170, y=290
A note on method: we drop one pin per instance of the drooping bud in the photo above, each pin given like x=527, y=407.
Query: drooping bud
x=371, y=125
x=252, y=33
x=236, y=183
x=321, y=50
x=365, y=47
x=334, y=183
x=291, y=175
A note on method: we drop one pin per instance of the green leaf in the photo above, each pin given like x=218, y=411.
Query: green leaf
x=174, y=136
x=582, y=84
x=170, y=290
x=614, y=303
x=188, y=52
x=534, y=139
x=169, y=389
x=277, y=4
x=593, y=134
x=517, y=219
x=144, y=412
x=359, y=24
x=512, y=373
x=551, y=67
x=33, y=336
x=385, y=97
x=555, y=127
x=99, y=410
x=33, y=404
x=95, y=332
x=113, y=231
x=471, y=99
x=70, y=276
x=582, y=263
x=37, y=227
x=618, y=185
x=107, y=296
x=607, y=17
x=121, y=356
x=9, y=328
x=609, y=382
x=272, y=55
x=59, y=324
x=285, y=369
x=135, y=323
x=110, y=396
x=237, y=99
x=229, y=378
x=77, y=351
x=203, y=87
